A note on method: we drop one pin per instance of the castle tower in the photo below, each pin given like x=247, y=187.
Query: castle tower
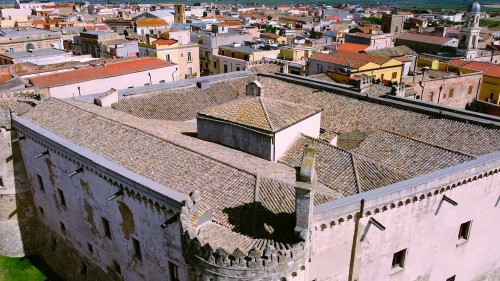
x=469, y=34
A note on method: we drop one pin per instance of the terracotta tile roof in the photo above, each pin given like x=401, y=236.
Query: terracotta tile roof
x=352, y=47
x=342, y=171
x=96, y=72
x=408, y=156
x=402, y=59
x=17, y=107
x=261, y=113
x=343, y=114
x=223, y=187
x=352, y=59
x=429, y=39
x=397, y=51
x=270, y=35
x=489, y=69
x=163, y=42
x=182, y=104
x=230, y=23
x=493, y=72
x=151, y=22
x=5, y=77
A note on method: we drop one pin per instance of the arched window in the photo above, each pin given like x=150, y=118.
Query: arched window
x=30, y=46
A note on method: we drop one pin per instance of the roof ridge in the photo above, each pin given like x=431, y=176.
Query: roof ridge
x=266, y=114
x=356, y=174
x=326, y=143
x=428, y=143
x=154, y=136
x=368, y=159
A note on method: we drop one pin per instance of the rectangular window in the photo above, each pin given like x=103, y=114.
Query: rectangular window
x=398, y=260
x=190, y=71
x=84, y=268
x=40, y=182
x=107, y=229
x=1, y=183
x=469, y=91
x=90, y=248
x=190, y=59
x=320, y=68
x=174, y=271
x=225, y=68
x=430, y=96
x=394, y=75
x=167, y=57
x=63, y=227
x=451, y=92
x=116, y=265
x=206, y=54
x=61, y=197
x=464, y=231
x=137, y=248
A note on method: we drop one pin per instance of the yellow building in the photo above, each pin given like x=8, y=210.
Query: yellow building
x=186, y=56
x=490, y=87
x=279, y=39
x=343, y=66
x=297, y=53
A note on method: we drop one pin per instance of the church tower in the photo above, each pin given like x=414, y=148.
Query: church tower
x=469, y=34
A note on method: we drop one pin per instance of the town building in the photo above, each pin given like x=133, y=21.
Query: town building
x=41, y=56
x=421, y=43
x=401, y=53
x=344, y=66
x=490, y=86
x=210, y=41
x=177, y=50
x=22, y=39
x=93, y=42
x=237, y=57
x=150, y=26
x=373, y=41
x=91, y=79
x=451, y=88
x=393, y=23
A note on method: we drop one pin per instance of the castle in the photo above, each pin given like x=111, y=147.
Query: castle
x=246, y=176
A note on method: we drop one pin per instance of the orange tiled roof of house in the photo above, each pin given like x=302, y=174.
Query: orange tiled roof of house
x=351, y=59
x=352, y=47
x=164, y=42
x=270, y=35
x=151, y=22
x=493, y=72
x=96, y=72
x=229, y=23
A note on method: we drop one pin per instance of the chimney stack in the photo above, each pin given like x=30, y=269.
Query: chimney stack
x=254, y=89
x=304, y=193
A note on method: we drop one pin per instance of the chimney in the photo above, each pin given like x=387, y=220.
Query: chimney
x=254, y=89
x=304, y=193
x=107, y=98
